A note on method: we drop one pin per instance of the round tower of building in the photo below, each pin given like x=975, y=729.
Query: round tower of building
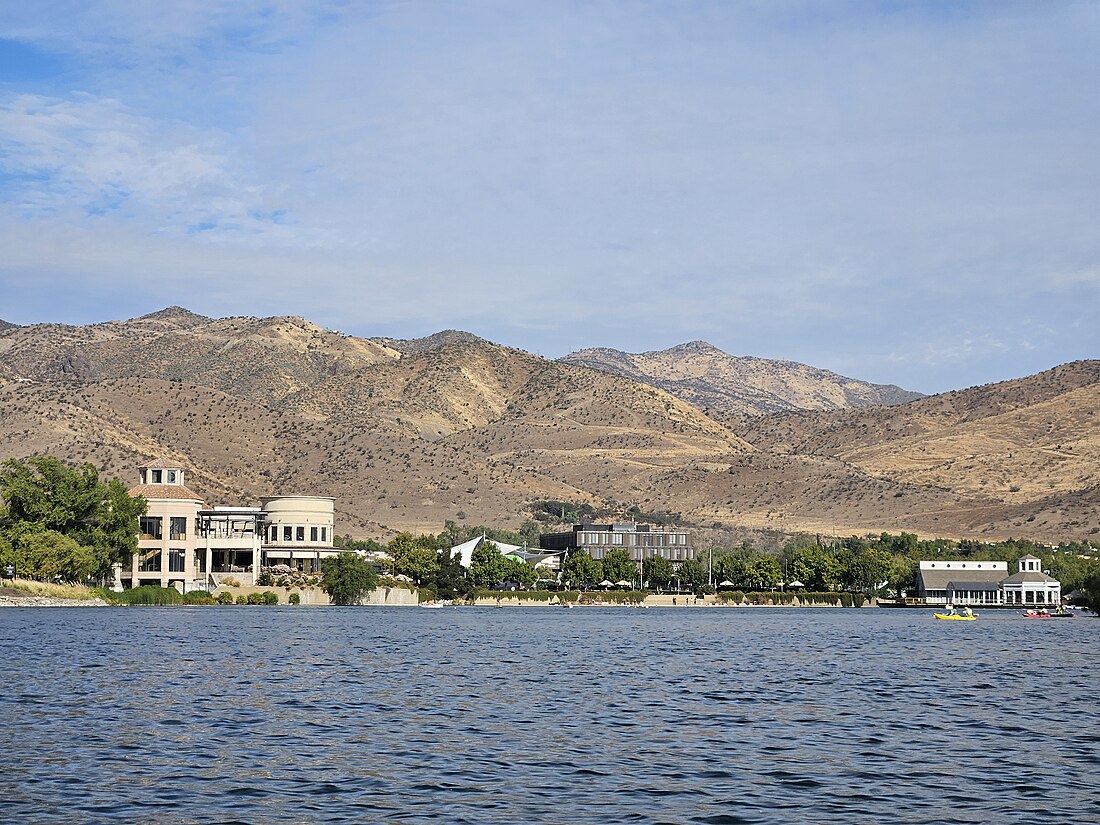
x=300, y=530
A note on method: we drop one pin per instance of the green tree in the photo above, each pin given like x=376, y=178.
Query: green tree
x=868, y=569
x=901, y=545
x=519, y=571
x=487, y=565
x=347, y=577
x=764, y=573
x=657, y=571
x=816, y=568
x=415, y=557
x=73, y=502
x=693, y=575
x=733, y=566
x=7, y=556
x=1092, y=590
x=450, y=577
x=902, y=577
x=47, y=554
x=580, y=570
x=530, y=532
x=113, y=531
x=618, y=566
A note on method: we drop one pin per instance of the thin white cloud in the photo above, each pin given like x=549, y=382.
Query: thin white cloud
x=832, y=186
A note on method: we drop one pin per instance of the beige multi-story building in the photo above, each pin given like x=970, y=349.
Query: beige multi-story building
x=167, y=545
x=300, y=530
x=232, y=540
x=185, y=545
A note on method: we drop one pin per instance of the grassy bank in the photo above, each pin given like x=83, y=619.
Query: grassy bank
x=151, y=595
x=52, y=591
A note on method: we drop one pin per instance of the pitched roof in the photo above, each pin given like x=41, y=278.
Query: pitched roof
x=939, y=579
x=1028, y=576
x=165, y=491
x=161, y=464
x=972, y=585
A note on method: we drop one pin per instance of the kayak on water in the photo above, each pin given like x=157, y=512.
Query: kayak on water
x=955, y=617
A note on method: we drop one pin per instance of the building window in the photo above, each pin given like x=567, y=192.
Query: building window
x=178, y=528
x=288, y=534
x=150, y=527
x=324, y=534
x=149, y=562
x=301, y=532
x=175, y=561
x=274, y=534
x=171, y=476
x=157, y=476
x=313, y=534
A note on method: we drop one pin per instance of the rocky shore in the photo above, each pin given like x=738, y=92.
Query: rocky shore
x=12, y=597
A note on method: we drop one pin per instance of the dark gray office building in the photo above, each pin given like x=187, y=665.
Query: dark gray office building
x=640, y=540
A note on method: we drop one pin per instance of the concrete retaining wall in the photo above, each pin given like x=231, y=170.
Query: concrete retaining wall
x=381, y=597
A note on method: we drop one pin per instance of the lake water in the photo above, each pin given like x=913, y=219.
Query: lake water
x=292, y=715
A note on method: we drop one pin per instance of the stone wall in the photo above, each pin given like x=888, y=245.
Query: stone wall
x=381, y=597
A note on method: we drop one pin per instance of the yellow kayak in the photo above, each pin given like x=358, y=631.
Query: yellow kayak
x=954, y=617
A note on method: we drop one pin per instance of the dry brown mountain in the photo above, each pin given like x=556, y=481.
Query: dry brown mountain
x=408, y=434
x=713, y=380
x=1031, y=446
x=410, y=346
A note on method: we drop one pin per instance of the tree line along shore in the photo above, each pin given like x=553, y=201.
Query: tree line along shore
x=63, y=526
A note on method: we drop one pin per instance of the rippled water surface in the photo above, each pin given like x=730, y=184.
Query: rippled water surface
x=181, y=715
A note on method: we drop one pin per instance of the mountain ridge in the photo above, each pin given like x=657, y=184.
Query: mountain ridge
x=454, y=427
x=714, y=380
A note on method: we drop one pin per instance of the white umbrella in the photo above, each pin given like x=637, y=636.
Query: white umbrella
x=726, y=583
x=795, y=583
x=623, y=583
x=606, y=583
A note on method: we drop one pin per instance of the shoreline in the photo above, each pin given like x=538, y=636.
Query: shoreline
x=49, y=601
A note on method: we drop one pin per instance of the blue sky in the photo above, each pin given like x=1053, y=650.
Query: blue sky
x=901, y=192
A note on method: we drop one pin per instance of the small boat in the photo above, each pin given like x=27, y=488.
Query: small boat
x=955, y=617
x=1043, y=614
